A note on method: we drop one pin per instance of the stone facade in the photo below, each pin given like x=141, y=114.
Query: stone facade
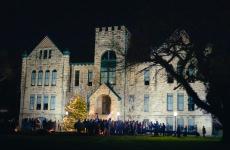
x=128, y=98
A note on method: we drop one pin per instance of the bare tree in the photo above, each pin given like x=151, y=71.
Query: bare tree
x=193, y=64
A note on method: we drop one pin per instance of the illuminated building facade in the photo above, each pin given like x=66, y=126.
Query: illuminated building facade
x=49, y=80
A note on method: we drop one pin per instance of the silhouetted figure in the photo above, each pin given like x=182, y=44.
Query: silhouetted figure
x=185, y=131
x=178, y=131
x=203, y=131
x=163, y=129
x=77, y=126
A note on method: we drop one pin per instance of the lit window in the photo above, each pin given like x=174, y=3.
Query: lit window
x=33, y=78
x=39, y=98
x=146, y=77
x=169, y=123
x=32, y=100
x=180, y=102
x=47, y=75
x=146, y=103
x=169, y=102
x=40, y=75
x=108, y=67
x=191, y=105
x=180, y=123
x=45, y=102
x=191, y=125
x=54, y=77
x=191, y=73
x=90, y=78
x=52, y=102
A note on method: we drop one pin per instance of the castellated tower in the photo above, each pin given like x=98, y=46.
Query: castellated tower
x=116, y=39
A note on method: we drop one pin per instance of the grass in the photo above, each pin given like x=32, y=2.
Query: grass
x=113, y=142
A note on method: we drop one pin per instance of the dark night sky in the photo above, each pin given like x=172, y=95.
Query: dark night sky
x=71, y=25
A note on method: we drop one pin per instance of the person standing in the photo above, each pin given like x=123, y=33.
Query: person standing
x=163, y=129
x=203, y=131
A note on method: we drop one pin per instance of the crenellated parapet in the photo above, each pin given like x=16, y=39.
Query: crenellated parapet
x=112, y=30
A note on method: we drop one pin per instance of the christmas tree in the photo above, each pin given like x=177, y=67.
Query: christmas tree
x=76, y=109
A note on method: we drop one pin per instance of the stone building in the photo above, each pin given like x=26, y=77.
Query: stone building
x=49, y=80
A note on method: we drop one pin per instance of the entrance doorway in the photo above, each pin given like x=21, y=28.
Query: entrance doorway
x=106, y=105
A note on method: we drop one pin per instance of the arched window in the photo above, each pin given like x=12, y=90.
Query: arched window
x=40, y=74
x=108, y=67
x=47, y=76
x=191, y=105
x=33, y=78
x=191, y=73
x=54, y=77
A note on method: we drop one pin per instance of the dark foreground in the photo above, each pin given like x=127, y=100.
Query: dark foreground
x=65, y=142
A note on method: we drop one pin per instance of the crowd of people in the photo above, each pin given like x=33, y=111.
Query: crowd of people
x=32, y=124
x=109, y=127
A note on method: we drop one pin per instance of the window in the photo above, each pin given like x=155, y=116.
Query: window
x=108, y=67
x=169, y=102
x=32, y=100
x=40, y=74
x=77, y=76
x=39, y=97
x=52, y=102
x=191, y=125
x=169, y=123
x=106, y=104
x=50, y=53
x=45, y=102
x=180, y=123
x=191, y=105
x=191, y=73
x=169, y=78
x=131, y=103
x=180, y=102
x=47, y=75
x=33, y=78
x=45, y=54
x=146, y=103
x=40, y=54
x=146, y=77
x=54, y=77
x=90, y=78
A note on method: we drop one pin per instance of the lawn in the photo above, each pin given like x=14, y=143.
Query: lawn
x=113, y=142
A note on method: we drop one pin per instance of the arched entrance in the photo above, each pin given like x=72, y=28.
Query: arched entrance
x=103, y=106
x=106, y=105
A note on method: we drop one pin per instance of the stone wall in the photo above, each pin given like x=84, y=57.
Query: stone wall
x=58, y=62
x=128, y=82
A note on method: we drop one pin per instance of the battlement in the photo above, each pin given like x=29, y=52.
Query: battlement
x=112, y=28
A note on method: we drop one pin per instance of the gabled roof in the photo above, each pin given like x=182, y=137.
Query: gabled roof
x=109, y=88
x=46, y=42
